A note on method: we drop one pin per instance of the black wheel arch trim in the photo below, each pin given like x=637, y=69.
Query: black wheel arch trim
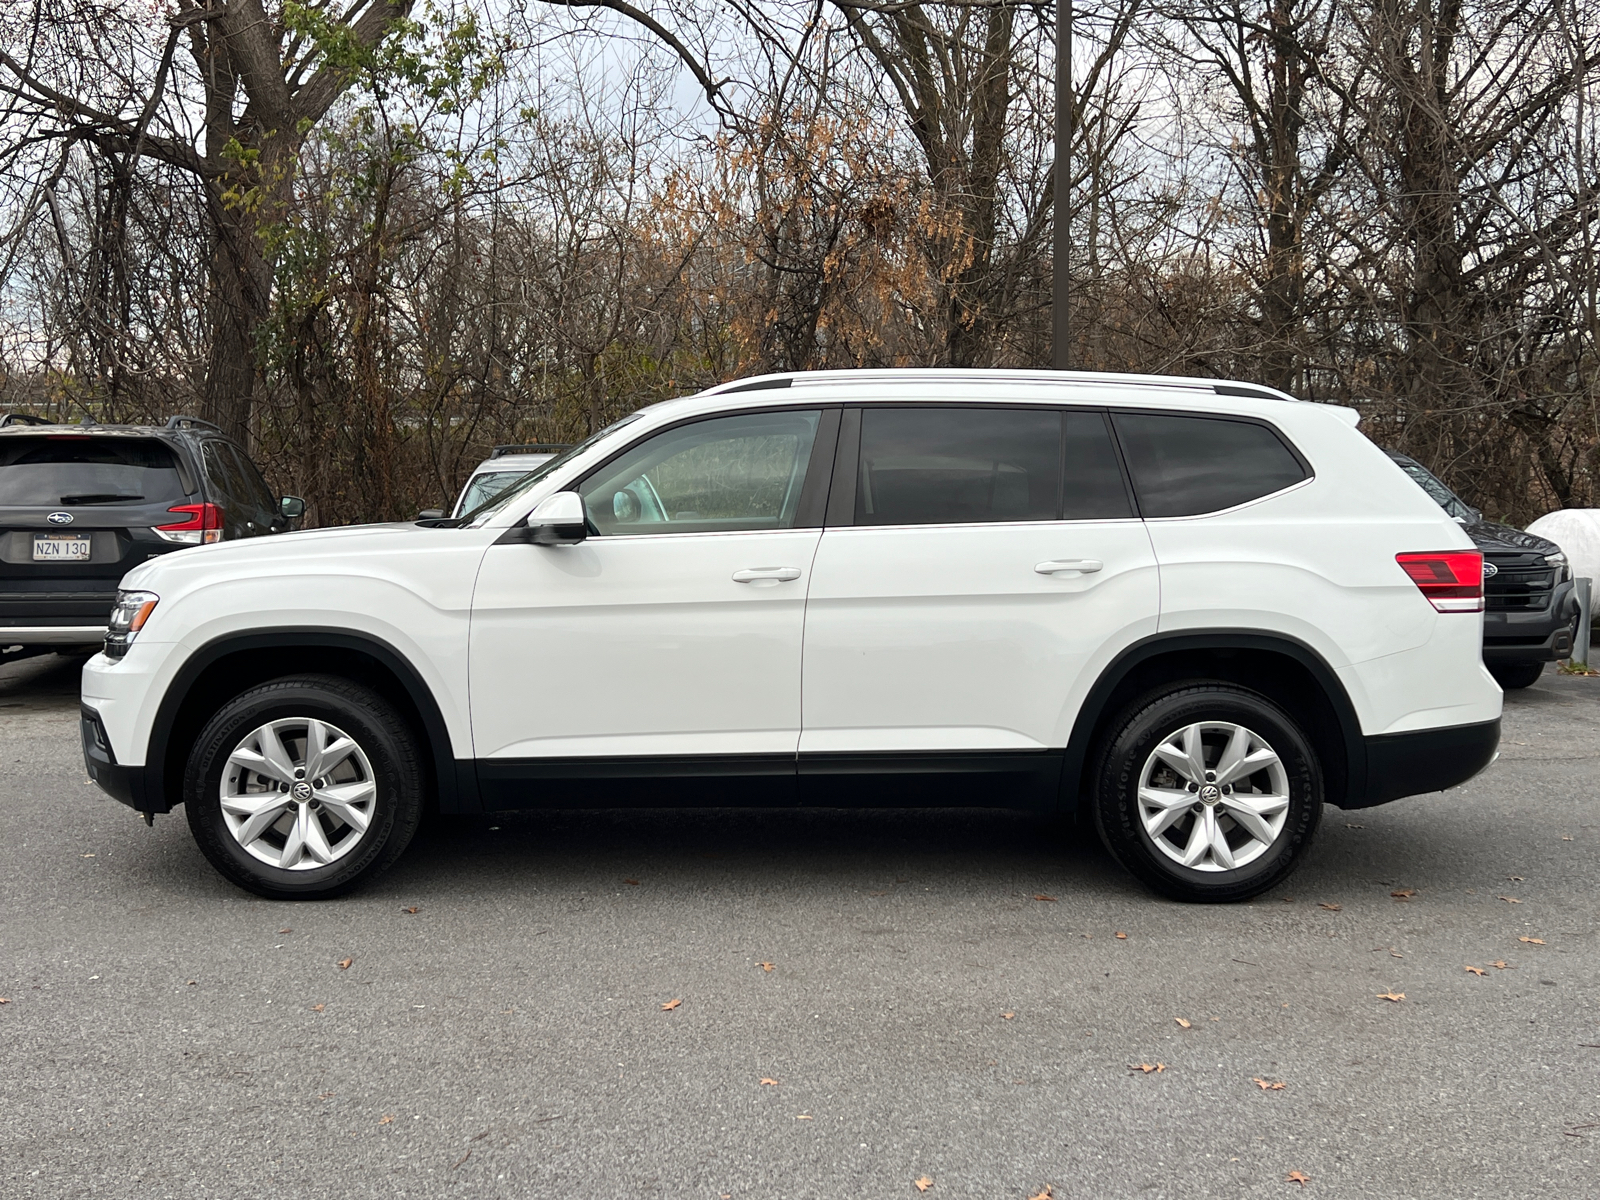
x=1094, y=708
x=456, y=780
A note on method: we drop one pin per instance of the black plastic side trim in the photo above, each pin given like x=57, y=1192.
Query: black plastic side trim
x=735, y=780
x=457, y=789
x=761, y=385
x=1027, y=779
x=1079, y=744
x=1426, y=760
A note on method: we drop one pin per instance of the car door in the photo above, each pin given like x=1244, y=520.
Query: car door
x=980, y=563
x=669, y=641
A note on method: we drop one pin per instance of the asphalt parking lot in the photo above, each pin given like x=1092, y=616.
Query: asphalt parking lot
x=865, y=1000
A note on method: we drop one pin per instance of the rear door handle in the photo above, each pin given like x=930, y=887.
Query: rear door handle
x=1085, y=566
x=766, y=575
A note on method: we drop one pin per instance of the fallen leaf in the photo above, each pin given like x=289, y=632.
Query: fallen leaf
x=1501, y=964
x=766, y=966
x=1395, y=996
x=1404, y=894
x=1514, y=879
x=1532, y=941
x=344, y=963
x=769, y=1083
x=5, y=999
x=327, y=1095
x=285, y=931
x=1287, y=899
x=923, y=1184
x=670, y=1005
x=1510, y=899
x=1332, y=907
x=387, y=1120
x=1267, y=1085
x=1183, y=1024
x=1146, y=1068
x=191, y=983
x=1122, y=937
x=1007, y=1016
x=1566, y=837
x=804, y=1117
x=1350, y=826
x=413, y=908
x=86, y=856
x=1297, y=1177
x=1476, y=970
x=318, y=1007
x=631, y=882
x=1047, y=1194
x=461, y=1160
x=1047, y=899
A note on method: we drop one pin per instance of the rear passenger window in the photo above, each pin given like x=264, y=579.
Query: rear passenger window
x=945, y=465
x=1091, y=486
x=1184, y=465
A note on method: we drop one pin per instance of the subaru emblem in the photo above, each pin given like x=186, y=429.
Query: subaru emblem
x=60, y=518
x=1489, y=569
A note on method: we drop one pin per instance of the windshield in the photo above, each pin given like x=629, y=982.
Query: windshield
x=522, y=483
x=483, y=488
x=1438, y=493
x=70, y=470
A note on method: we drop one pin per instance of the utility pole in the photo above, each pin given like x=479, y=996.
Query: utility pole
x=1061, y=346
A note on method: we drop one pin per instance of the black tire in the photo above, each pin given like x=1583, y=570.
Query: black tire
x=1519, y=674
x=1131, y=741
x=384, y=738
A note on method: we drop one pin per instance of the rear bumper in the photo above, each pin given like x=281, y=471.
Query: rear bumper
x=52, y=635
x=1423, y=760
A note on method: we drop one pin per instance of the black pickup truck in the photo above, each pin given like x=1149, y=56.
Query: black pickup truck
x=1531, y=611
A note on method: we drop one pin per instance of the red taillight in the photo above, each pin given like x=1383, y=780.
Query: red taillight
x=1452, y=580
x=203, y=524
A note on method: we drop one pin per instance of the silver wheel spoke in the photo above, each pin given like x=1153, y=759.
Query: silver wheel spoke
x=273, y=751
x=342, y=800
x=1171, y=803
x=323, y=755
x=1251, y=813
x=1199, y=844
x=252, y=760
x=261, y=812
x=1184, y=758
x=1247, y=766
x=294, y=844
x=316, y=841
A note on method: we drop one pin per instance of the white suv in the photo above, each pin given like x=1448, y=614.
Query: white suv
x=1191, y=612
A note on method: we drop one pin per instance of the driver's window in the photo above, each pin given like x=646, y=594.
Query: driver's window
x=725, y=474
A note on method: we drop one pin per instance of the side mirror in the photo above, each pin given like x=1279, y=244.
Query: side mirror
x=431, y=514
x=558, y=520
x=292, y=507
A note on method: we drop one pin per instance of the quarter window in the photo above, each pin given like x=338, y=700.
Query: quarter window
x=936, y=466
x=721, y=475
x=1185, y=465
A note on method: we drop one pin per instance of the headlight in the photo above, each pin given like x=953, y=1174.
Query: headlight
x=132, y=610
x=1558, y=560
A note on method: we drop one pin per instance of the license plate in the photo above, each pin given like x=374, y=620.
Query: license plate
x=61, y=547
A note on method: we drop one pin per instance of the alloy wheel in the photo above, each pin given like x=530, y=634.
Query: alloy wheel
x=1213, y=796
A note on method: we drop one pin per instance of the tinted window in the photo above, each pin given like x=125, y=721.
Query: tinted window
x=926, y=466
x=1184, y=465
x=1091, y=486
x=256, y=488
x=220, y=472
x=70, y=469
x=725, y=474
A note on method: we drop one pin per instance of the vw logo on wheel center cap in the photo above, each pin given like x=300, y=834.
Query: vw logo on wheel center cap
x=1210, y=793
x=301, y=790
x=60, y=518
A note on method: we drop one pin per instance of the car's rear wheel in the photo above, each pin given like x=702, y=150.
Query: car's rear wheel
x=1207, y=792
x=1513, y=675
x=301, y=788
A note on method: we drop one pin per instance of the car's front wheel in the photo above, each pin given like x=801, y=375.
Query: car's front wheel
x=301, y=788
x=1207, y=792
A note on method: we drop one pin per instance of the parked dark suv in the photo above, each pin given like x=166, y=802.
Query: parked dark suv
x=82, y=505
x=1531, y=611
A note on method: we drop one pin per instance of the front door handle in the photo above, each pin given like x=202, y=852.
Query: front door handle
x=766, y=576
x=1084, y=566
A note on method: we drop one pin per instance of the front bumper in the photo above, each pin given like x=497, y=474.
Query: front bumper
x=1542, y=635
x=126, y=784
x=1424, y=760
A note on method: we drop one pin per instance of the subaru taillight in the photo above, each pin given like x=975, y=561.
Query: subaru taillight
x=1452, y=580
x=202, y=523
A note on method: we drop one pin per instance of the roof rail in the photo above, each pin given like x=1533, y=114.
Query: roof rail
x=531, y=448
x=183, y=422
x=17, y=418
